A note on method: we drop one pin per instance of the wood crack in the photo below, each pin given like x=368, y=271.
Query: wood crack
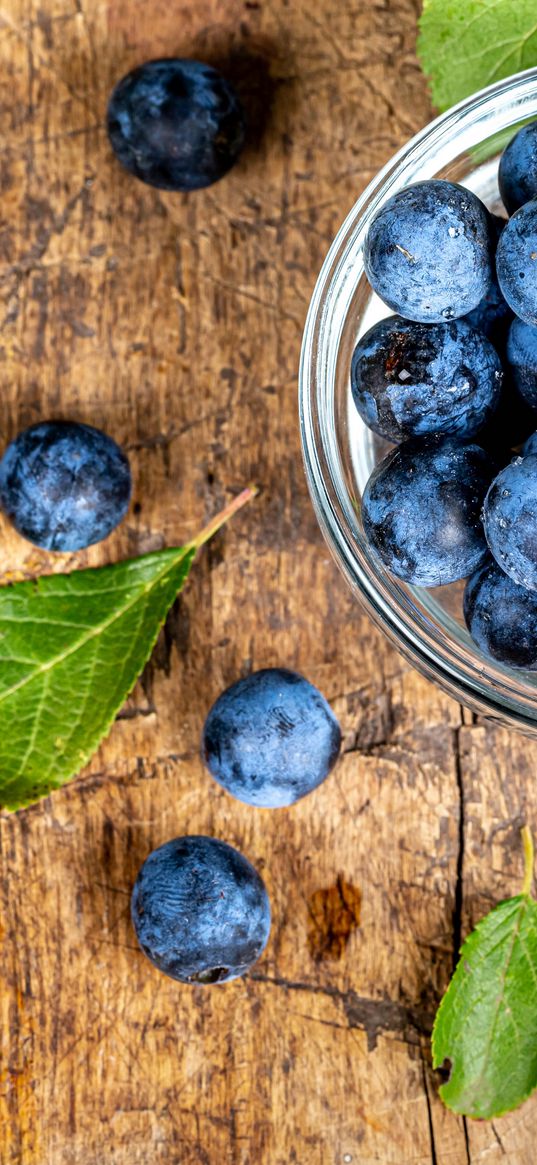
x=457, y=909
x=498, y=1139
x=434, y=1155
x=459, y=884
x=466, y=1140
x=134, y=713
x=372, y=1016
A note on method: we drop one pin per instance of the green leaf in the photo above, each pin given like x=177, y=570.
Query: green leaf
x=467, y=44
x=71, y=649
x=486, y=1025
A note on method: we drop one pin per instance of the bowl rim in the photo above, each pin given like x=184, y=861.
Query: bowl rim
x=507, y=103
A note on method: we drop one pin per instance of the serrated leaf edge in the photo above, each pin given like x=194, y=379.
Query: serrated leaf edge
x=437, y=1063
x=183, y=552
x=100, y=627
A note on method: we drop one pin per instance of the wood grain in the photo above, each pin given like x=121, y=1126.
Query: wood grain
x=175, y=323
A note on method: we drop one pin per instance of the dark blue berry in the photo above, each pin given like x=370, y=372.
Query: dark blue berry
x=428, y=251
x=516, y=262
x=410, y=379
x=176, y=124
x=517, y=174
x=521, y=357
x=530, y=446
x=421, y=510
x=64, y=485
x=271, y=738
x=502, y=617
x=510, y=520
x=510, y=425
x=200, y=910
x=493, y=315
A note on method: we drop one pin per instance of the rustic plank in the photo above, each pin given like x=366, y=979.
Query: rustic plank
x=175, y=323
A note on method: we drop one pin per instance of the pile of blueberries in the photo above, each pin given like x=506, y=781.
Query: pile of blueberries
x=452, y=379
x=199, y=908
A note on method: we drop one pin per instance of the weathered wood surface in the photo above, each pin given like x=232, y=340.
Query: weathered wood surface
x=175, y=323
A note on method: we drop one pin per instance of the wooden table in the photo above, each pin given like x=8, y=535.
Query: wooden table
x=175, y=323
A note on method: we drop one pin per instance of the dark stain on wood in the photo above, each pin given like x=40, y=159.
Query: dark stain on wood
x=334, y=913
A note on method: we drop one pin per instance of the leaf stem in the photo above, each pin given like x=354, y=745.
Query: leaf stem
x=220, y=519
x=527, y=842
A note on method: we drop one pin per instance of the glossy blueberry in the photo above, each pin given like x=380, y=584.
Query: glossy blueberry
x=516, y=262
x=421, y=510
x=176, y=124
x=270, y=738
x=64, y=485
x=510, y=520
x=428, y=251
x=200, y=910
x=410, y=379
x=521, y=357
x=493, y=315
x=502, y=617
x=517, y=174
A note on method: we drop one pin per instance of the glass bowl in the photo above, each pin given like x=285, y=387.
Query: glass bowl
x=340, y=452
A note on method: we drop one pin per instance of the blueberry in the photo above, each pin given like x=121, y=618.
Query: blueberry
x=530, y=446
x=176, y=124
x=502, y=617
x=493, y=315
x=410, y=379
x=517, y=174
x=428, y=251
x=516, y=262
x=200, y=910
x=521, y=357
x=510, y=425
x=510, y=520
x=270, y=738
x=421, y=509
x=64, y=485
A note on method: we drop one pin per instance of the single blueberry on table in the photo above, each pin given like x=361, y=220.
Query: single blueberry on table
x=64, y=485
x=421, y=509
x=270, y=738
x=493, y=315
x=516, y=262
x=517, y=174
x=502, y=617
x=510, y=520
x=428, y=252
x=521, y=358
x=410, y=379
x=200, y=910
x=176, y=124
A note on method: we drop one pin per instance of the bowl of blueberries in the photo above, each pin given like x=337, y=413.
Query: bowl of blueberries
x=418, y=400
